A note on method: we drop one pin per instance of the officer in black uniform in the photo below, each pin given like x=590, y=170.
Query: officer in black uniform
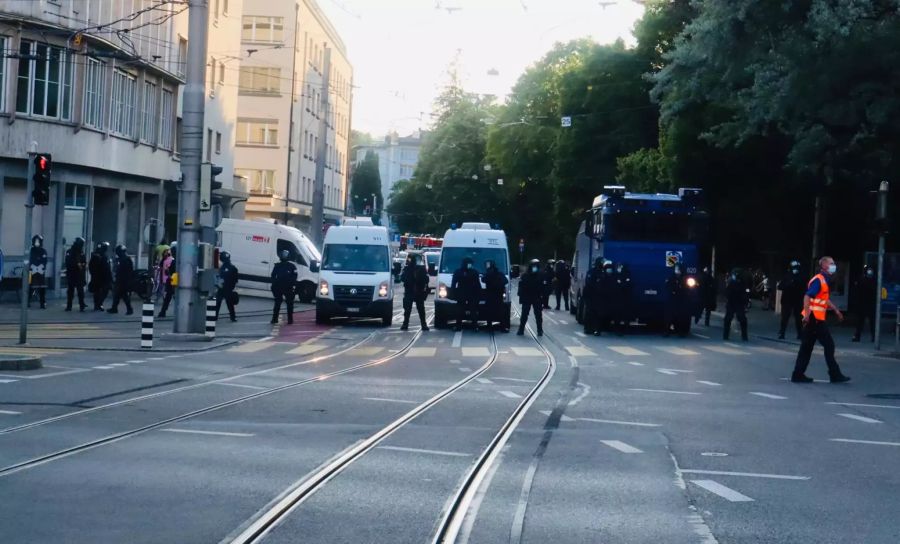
x=76, y=271
x=124, y=275
x=563, y=276
x=592, y=296
x=792, y=287
x=676, y=302
x=415, y=289
x=284, y=278
x=101, y=275
x=226, y=281
x=737, y=296
x=866, y=287
x=549, y=276
x=532, y=286
x=622, y=299
x=37, y=261
x=494, y=287
x=709, y=293
x=466, y=287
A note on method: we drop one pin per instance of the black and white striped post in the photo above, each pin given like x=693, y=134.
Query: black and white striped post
x=147, y=325
x=211, y=318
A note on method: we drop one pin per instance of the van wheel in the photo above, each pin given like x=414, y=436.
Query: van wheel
x=387, y=318
x=572, y=305
x=579, y=313
x=306, y=293
x=321, y=318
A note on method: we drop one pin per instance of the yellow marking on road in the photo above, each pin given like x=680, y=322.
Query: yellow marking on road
x=579, y=351
x=252, y=347
x=476, y=352
x=372, y=350
x=306, y=349
x=421, y=352
x=726, y=351
x=527, y=352
x=677, y=351
x=629, y=351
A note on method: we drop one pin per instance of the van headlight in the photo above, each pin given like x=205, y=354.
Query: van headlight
x=383, y=290
x=323, y=288
x=691, y=282
x=442, y=291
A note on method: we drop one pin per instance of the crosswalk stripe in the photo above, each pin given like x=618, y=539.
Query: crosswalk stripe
x=421, y=352
x=510, y=394
x=705, y=382
x=579, y=351
x=726, y=351
x=561, y=418
x=677, y=351
x=104, y=367
x=527, y=352
x=305, y=349
x=767, y=395
x=8, y=381
x=628, y=350
x=621, y=446
x=370, y=350
x=476, y=352
x=484, y=381
x=725, y=492
x=252, y=347
x=860, y=418
x=10, y=413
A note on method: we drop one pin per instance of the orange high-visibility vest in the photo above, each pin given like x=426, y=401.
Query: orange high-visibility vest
x=819, y=304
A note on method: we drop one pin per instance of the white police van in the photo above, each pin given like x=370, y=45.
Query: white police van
x=481, y=243
x=355, y=276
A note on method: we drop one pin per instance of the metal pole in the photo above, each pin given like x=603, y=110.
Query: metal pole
x=287, y=187
x=375, y=206
x=187, y=302
x=318, y=204
x=26, y=260
x=817, y=222
x=881, y=214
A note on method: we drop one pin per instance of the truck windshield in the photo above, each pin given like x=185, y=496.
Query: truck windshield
x=649, y=227
x=356, y=258
x=451, y=258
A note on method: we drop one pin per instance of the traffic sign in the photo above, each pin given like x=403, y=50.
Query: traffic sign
x=566, y=121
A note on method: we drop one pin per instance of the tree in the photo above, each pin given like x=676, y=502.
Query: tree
x=366, y=181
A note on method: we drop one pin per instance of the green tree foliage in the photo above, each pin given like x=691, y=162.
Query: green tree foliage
x=366, y=181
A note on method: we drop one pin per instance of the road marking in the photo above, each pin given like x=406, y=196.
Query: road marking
x=464, y=369
x=8, y=381
x=485, y=381
x=457, y=339
x=705, y=382
x=580, y=351
x=513, y=379
x=628, y=350
x=417, y=450
x=10, y=413
x=562, y=418
x=873, y=442
x=635, y=363
x=391, y=400
x=726, y=351
x=305, y=349
x=614, y=422
x=212, y=433
x=703, y=336
x=866, y=405
x=585, y=391
x=256, y=387
x=476, y=352
x=725, y=492
x=671, y=371
x=621, y=446
x=527, y=352
x=745, y=474
x=421, y=352
x=252, y=347
x=677, y=351
x=156, y=358
x=563, y=322
x=860, y=418
x=367, y=351
x=138, y=361
x=510, y=394
x=768, y=395
x=104, y=367
x=118, y=364
x=816, y=381
x=581, y=334
x=666, y=391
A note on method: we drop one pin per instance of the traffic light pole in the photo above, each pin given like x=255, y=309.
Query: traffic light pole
x=188, y=310
x=26, y=260
x=317, y=217
x=881, y=215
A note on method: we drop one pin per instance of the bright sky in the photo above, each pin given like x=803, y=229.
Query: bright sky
x=401, y=49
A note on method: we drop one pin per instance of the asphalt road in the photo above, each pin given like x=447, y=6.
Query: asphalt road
x=358, y=433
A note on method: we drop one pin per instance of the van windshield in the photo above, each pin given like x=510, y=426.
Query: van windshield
x=356, y=258
x=452, y=257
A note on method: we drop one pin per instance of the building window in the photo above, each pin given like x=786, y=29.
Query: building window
x=123, y=91
x=182, y=57
x=212, y=76
x=260, y=80
x=165, y=119
x=218, y=143
x=3, y=75
x=257, y=132
x=44, y=82
x=148, y=122
x=259, y=181
x=93, y=93
x=76, y=195
x=262, y=29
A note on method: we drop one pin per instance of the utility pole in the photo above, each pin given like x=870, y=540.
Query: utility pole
x=881, y=221
x=289, y=173
x=318, y=204
x=26, y=260
x=188, y=311
x=375, y=207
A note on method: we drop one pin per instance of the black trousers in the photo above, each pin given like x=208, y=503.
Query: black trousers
x=546, y=300
x=527, y=307
x=788, y=311
x=288, y=298
x=596, y=319
x=816, y=330
x=167, y=299
x=125, y=296
x=672, y=315
x=39, y=287
x=868, y=313
x=225, y=295
x=468, y=310
x=564, y=293
x=420, y=308
x=730, y=314
x=100, y=294
x=700, y=314
x=70, y=294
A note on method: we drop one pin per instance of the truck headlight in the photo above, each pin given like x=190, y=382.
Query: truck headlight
x=323, y=288
x=691, y=282
x=442, y=291
x=383, y=290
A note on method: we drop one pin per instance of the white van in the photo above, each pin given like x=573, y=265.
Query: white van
x=254, y=246
x=481, y=243
x=355, y=277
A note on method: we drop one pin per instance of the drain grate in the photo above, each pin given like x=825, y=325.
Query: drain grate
x=885, y=396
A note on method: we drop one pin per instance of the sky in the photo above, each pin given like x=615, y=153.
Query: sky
x=401, y=49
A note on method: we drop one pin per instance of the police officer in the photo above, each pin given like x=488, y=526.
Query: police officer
x=593, y=299
x=675, y=302
x=284, y=278
x=37, y=260
x=167, y=274
x=101, y=275
x=622, y=299
x=549, y=277
x=415, y=290
x=124, y=275
x=76, y=270
x=708, y=296
x=816, y=304
x=226, y=281
x=466, y=287
x=792, y=290
x=563, y=275
x=494, y=289
x=532, y=286
x=737, y=295
x=866, y=287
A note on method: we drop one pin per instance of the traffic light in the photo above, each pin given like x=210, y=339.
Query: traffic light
x=43, y=164
x=208, y=184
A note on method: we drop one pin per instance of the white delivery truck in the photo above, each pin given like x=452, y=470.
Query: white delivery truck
x=481, y=243
x=355, y=277
x=254, y=246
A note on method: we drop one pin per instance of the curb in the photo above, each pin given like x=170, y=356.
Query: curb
x=18, y=363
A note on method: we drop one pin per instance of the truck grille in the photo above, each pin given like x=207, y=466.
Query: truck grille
x=345, y=295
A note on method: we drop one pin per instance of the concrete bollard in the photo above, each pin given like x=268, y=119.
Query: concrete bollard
x=147, y=311
x=210, y=318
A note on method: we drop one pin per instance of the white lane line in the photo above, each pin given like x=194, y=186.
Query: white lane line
x=860, y=418
x=390, y=400
x=118, y=364
x=513, y=379
x=672, y=371
x=455, y=361
x=585, y=391
x=510, y=394
x=581, y=334
x=527, y=352
x=256, y=387
x=865, y=405
x=156, y=358
x=703, y=336
x=706, y=382
x=768, y=395
x=562, y=418
x=563, y=322
x=744, y=474
x=8, y=381
x=635, y=363
x=417, y=450
x=138, y=361
x=104, y=367
x=872, y=442
x=580, y=351
x=265, y=339
x=421, y=352
x=10, y=413
x=621, y=446
x=211, y=433
x=677, y=351
x=476, y=352
x=816, y=381
x=550, y=319
x=485, y=381
x=464, y=369
x=725, y=492
x=666, y=391
x=615, y=422
x=726, y=351
x=628, y=351
x=457, y=339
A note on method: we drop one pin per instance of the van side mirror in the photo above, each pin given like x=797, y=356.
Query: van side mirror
x=314, y=266
x=515, y=272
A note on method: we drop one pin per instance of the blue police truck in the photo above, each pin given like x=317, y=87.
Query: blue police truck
x=649, y=234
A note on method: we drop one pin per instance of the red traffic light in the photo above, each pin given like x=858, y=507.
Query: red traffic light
x=42, y=163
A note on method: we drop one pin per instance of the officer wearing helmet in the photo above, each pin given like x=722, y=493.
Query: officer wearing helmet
x=792, y=287
x=101, y=275
x=76, y=271
x=737, y=295
x=124, y=274
x=591, y=298
x=676, y=303
x=37, y=261
x=866, y=287
x=284, y=278
x=466, y=288
x=532, y=287
x=226, y=281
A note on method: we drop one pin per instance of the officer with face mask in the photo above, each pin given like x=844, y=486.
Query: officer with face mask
x=124, y=274
x=226, y=281
x=676, y=303
x=37, y=262
x=792, y=287
x=737, y=296
x=415, y=290
x=76, y=271
x=816, y=304
x=622, y=297
x=101, y=275
x=494, y=290
x=466, y=288
x=531, y=296
x=592, y=311
x=284, y=278
x=708, y=296
x=866, y=287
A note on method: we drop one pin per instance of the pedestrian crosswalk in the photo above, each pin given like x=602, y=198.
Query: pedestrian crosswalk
x=34, y=352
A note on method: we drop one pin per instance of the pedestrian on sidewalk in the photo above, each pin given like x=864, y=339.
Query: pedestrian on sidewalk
x=123, y=278
x=167, y=270
x=866, y=287
x=37, y=262
x=284, y=278
x=737, y=295
x=226, y=281
x=792, y=290
x=101, y=275
x=415, y=289
x=816, y=304
x=76, y=268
